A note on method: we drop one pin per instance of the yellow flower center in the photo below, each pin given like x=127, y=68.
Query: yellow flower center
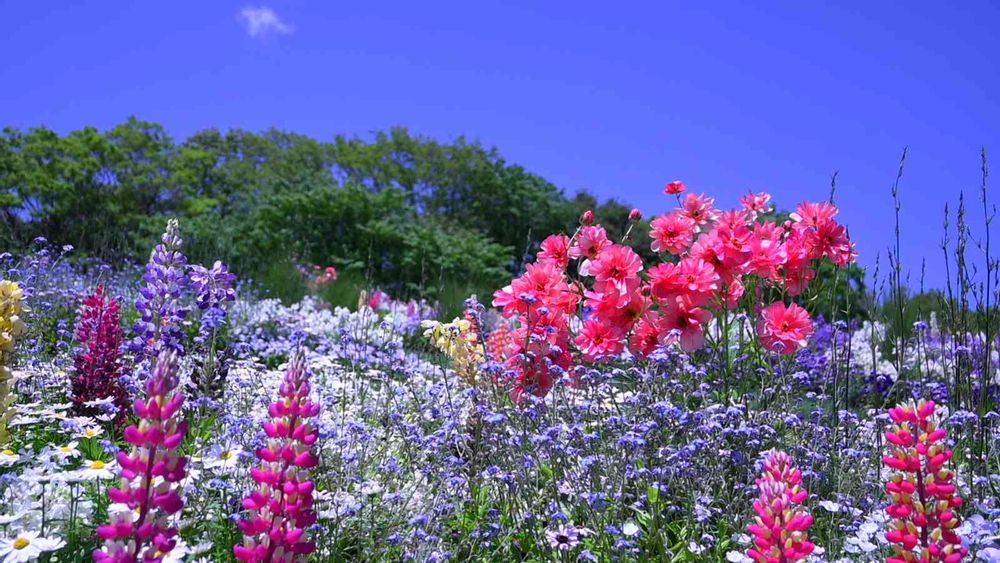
x=98, y=464
x=21, y=543
x=226, y=454
x=66, y=449
x=90, y=433
x=7, y=452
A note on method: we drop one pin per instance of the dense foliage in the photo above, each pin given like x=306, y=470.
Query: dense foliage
x=403, y=210
x=410, y=214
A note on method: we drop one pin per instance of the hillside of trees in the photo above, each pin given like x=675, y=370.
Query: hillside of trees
x=403, y=210
x=406, y=213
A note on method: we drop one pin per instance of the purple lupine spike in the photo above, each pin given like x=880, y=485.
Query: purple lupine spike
x=142, y=532
x=213, y=289
x=281, y=506
x=159, y=304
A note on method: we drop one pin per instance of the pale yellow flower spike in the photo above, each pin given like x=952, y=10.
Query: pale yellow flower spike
x=11, y=326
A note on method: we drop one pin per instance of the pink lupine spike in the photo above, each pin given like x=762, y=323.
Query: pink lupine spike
x=781, y=531
x=143, y=534
x=921, y=477
x=280, y=507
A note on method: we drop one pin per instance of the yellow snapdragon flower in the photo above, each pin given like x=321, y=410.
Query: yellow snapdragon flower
x=460, y=342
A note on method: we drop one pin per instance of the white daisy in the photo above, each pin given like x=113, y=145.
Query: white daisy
x=68, y=451
x=27, y=546
x=223, y=458
x=8, y=458
x=96, y=469
x=91, y=432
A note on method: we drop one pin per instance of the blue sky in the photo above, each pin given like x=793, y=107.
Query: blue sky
x=615, y=98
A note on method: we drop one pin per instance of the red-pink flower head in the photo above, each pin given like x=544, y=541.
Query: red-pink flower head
x=700, y=208
x=691, y=278
x=590, y=241
x=814, y=214
x=797, y=272
x=757, y=203
x=280, y=508
x=767, y=253
x=647, y=335
x=598, y=340
x=784, y=329
x=672, y=232
x=542, y=285
x=674, y=188
x=732, y=245
x=635, y=215
x=921, y=488
x=555, y=249
x=537, y=366
x=781, y=527
x=830, y=240
x=687, y=321
x=587, y=219
x=617, y=269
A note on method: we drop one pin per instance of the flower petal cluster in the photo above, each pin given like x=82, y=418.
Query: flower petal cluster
x=921, y=488
x=781, y=528
x=616, y=302
x=97, y=362
x=150, y=474
x=784, y=328
x=281, y=506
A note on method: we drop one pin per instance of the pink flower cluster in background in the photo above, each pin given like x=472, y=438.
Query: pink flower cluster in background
x=622, y=303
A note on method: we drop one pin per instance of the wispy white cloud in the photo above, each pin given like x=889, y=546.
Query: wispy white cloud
x=262, y=21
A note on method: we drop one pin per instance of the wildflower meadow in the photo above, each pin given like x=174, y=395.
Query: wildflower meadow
x=691, y=388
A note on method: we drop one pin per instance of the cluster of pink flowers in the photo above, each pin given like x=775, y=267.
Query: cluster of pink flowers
x=922, y=489
x=151, y=474
x=708, y=255
x=281, y=507
x=97, y=363
x=781, y=528
x=323, y=276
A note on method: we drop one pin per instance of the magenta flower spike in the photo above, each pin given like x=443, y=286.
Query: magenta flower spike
x=280, y=509
x=781, y=529
x=97, y=362
x=150, y=474
x=921, y=489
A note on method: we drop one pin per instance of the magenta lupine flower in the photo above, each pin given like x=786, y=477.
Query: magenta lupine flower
x=281, y=506
x=97, y=362
x=921, y=488
x=781, y=528
x=150, y=473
